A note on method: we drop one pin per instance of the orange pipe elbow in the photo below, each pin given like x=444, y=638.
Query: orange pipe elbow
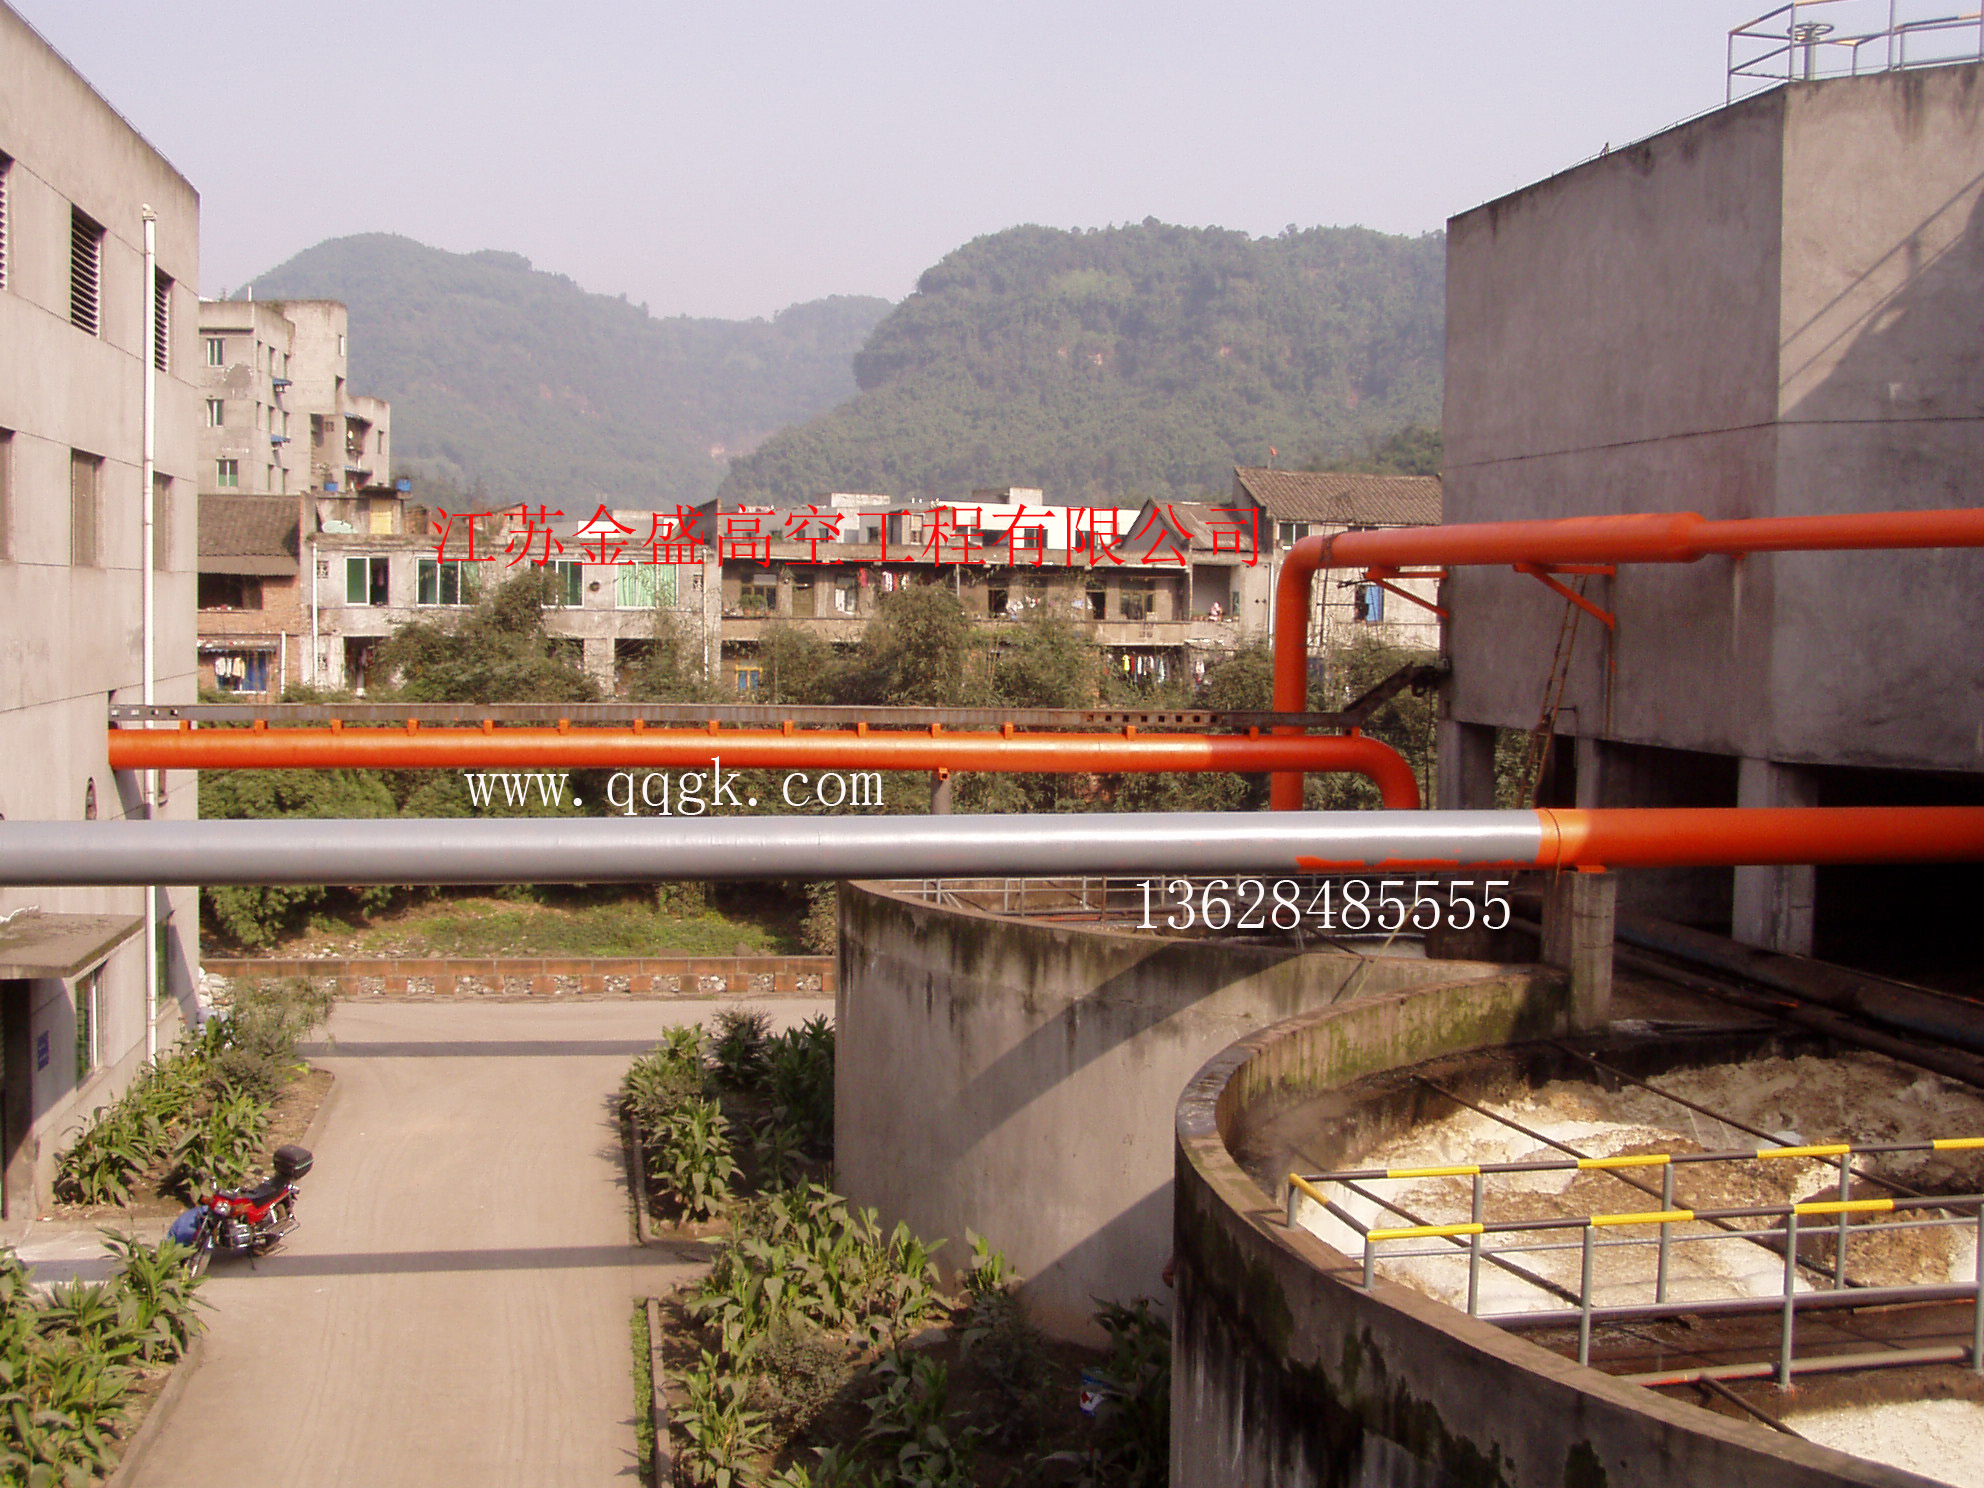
x=1637, y=537
x=620, y=748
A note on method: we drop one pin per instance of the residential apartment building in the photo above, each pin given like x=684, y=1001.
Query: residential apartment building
x=286, y=450
x=84, y=322
x=1295, y=504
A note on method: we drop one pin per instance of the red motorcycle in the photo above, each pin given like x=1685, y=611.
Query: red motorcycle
x=247, y=1221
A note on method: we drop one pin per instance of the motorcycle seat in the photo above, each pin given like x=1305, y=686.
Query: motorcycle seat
x=261, y=1193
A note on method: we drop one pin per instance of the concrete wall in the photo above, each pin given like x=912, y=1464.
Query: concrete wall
x=1768, y=310
x=1286, y=1373
x=252, y=410
x=1018, y=1078
x=70, y=633
x=1771, y=310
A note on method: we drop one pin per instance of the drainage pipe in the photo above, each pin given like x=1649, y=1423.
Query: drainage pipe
x=148, y=590
x=644, y=850
x=413, y=747
x=1647, y=537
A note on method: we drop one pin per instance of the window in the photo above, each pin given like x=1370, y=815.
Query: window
x=567, y=589
x=161, y=322
x=366, y=580
x=6, y=493
x=646, y=586
x=85, y=272
x=230, y=592
x=995, y=601
x=216, y=351
x=5, y=163
x=161, y=522
x=449, y=583
x=216, y=412
x=242, y=671
x=1139, y=599
x=1367, y=603
x=750, y=677
x=88, y=989
x=1098, y=604
x=85, y=498
x=1291, y=532
x=227, y=474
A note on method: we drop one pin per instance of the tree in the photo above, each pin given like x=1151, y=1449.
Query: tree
x=915, y=651
x=670, y=668
x=253, y=915
x=498, y=652
x=1046, y=662
x=1417, y=449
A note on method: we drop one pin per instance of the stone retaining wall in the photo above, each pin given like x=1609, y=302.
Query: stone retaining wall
x=551, y=976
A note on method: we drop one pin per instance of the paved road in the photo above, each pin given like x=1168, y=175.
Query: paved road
x=455, y=1308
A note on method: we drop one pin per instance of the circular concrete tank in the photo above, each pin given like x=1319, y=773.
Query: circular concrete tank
x=1017, y=1076
x=1289, y=1372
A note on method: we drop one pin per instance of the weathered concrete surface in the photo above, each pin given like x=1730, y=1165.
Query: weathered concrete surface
x=1288, y=1374
x=1769, y=310
x=1018, y=1078
x=456, y=1307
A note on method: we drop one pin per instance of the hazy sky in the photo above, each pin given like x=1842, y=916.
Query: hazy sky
x=735, y=156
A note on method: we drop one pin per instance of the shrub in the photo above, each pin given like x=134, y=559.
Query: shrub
x=690, y=1159
x=739, y=1047
x=66, y=1365
x=723, y=1433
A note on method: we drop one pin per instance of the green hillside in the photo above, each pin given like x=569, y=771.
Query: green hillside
x=522, y=381
x=1131, y=361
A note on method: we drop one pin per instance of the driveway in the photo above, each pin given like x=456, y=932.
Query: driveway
x=455, y=1307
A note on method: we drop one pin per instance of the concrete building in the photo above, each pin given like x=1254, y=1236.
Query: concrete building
x=280, y=416
x=285, y=447
x=1295, y=504
x=1770, y=310
x=77, y=183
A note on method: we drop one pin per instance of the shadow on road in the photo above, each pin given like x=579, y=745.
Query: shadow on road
x=479, y=1049
x=392, y=1262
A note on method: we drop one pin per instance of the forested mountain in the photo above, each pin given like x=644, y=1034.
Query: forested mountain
x=1130, y=361
x=522, y=381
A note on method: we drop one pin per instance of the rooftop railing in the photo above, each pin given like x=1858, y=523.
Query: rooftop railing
x=1811, y=39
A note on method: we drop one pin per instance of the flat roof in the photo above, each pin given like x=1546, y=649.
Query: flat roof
x=34, y=943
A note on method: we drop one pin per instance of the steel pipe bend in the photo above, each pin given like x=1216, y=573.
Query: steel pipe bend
x=1632, y=537
x=824, y=749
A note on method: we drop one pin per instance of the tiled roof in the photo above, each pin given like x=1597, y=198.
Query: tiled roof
x=248, y=534
x=1342, y=499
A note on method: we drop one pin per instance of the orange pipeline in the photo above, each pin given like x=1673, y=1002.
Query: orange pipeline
x=1627, y=837
x=1644, y=537
x=622, y=748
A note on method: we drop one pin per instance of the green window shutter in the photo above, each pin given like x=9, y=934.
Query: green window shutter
x=354, y=581
x=573, y=594
x=430, y=586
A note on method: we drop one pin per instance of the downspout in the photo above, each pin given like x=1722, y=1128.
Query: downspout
x=315, y=643
x=148, y=477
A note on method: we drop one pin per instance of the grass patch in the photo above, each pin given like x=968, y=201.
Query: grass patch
x=643, y=1392
x=500, y=927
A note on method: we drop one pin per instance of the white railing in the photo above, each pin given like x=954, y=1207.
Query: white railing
x=1845, y=38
